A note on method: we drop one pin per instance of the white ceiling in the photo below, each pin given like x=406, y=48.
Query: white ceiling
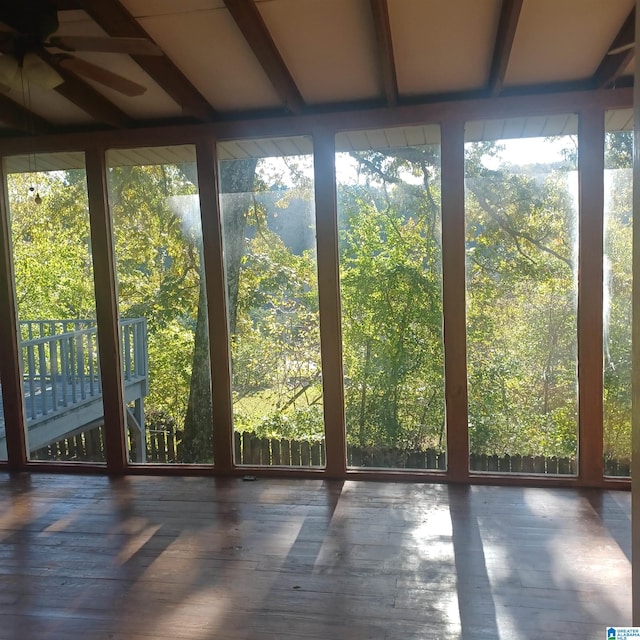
x=440, y=46
x=562, y=40
x=329, y=47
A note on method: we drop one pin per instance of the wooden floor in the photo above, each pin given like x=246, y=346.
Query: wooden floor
x=146, y=558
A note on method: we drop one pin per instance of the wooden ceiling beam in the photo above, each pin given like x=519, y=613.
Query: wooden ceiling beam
x=111, y=16
x=247, y=16
x=17, y=117
x=66, y=5
x=85, y=97
x=386, y=60
x=612, y=65
x=507, y=26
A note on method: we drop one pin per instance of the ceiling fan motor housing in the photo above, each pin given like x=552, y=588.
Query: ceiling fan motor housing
x=27, y=36
x=36, y=19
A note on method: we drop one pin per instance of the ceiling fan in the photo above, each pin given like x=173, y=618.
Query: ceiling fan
x=30, y=51
x=621, y=49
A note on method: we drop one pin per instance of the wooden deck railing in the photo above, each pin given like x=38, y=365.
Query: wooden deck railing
x=61, y=365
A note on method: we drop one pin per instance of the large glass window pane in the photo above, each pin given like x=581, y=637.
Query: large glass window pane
x=56, y=307
x=521, y=228
x=390, y=249
x=618, y=210
x=268, y=216
x=153, y=195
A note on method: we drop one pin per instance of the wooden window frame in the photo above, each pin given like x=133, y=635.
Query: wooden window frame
x=451, y=116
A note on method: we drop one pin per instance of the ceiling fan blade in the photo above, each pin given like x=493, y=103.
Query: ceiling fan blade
x=134, y=46
x=101, y=75
x=621, y=48
x=40, y=72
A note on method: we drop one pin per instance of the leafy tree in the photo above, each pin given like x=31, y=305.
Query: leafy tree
x=390, y=268
x=51, y=243
x=617, y=299
x=274, y=303
x=159, y=264
x=521, y=313
x=521, y=317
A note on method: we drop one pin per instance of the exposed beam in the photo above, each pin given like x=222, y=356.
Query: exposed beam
x=17, y=117
x=612, y=65
x=515, y=106
x=117, y=21
x=250, y=22
x=509, y=16
x=548, y=89
x=66, y=5
x=86, y=97
x=386, y=61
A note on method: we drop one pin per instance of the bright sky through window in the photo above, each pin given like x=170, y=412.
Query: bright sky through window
x=521, y=151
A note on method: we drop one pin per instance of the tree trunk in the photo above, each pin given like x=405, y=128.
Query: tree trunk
x=236, y=177
x=197, y=437
x=236, y=187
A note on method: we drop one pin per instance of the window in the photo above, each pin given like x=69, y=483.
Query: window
x=521, y=227
x=56, y=307
x=390, y=253
x=618, y=232
x=153, y=195
x=268, y=221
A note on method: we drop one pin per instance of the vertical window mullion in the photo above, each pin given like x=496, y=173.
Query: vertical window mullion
x=453, y=298
x=106, y=311
x=219, y=350
x=590, y=288
x=329, y=301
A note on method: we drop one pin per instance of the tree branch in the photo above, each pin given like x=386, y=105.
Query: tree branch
x=504, y=224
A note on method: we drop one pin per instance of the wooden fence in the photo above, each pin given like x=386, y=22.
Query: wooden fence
x=523, y=464
x=252, y=450
x=249, y=449
x=84, y=447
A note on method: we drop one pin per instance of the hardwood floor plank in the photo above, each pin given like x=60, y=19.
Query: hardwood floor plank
x=143, y=558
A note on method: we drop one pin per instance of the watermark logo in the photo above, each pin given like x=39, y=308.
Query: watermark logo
x=622, y=633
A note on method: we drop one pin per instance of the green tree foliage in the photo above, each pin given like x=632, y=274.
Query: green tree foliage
x=521, y=295
x=275, y=336
x=617, y=302
x=158, y=247
x=521, y=316
x=51, y=240
x=390, y=278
